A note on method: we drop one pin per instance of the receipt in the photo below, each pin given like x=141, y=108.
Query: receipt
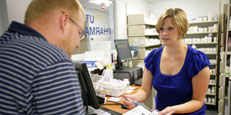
x=139, y=110
x=155, y=112
x=114, y=99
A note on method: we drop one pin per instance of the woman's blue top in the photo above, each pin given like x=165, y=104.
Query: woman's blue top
x=176, y=89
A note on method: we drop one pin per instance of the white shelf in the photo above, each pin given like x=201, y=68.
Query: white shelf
x=211, y=53
x=228, y=53
x=202, y=43
x=212, y=84
x=142, y=35
x=191, y=33
x=151, y=45
x=210, y=103
x=142, y=42
x=214, y=45
x=151, y=35
x=147, y=24
x=139, y=30
x=212, y=94
x=213, y=21
x=212, y=74
x=228, y=76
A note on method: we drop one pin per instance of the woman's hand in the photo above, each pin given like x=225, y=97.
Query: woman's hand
x=128, y=104
x=167, y=111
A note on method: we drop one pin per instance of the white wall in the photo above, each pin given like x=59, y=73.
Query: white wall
x=1, y=30
x=138, y=7
x=120, y=19
x=124, y=8
x=16, y=9
x=3, y=17
x=193, y=8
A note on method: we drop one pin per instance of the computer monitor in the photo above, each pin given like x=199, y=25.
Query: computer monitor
x=123, y=51
x=88, y=93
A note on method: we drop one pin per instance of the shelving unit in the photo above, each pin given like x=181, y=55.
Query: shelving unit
x=204, y=22
x=201, y=32
x=203, y=43
x=204, y=36
x=224, y=107
x=142, y=33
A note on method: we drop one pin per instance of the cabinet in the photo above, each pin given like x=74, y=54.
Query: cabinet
x=142, y=33
x=224, y=107
x=203, y=35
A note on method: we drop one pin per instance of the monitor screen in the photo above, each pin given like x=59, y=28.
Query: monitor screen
x=88, y=93
x=123, y=49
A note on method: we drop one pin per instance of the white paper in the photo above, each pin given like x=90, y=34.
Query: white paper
x=115, y=99
x=129, y=91
x=132, y=88
x=139, y=110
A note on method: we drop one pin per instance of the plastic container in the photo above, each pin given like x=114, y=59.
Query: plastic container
x=108, y=88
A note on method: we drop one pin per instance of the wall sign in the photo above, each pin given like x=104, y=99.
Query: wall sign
x=96, y=26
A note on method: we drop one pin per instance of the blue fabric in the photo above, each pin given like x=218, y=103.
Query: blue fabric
x=16, y=27
x=176, y=89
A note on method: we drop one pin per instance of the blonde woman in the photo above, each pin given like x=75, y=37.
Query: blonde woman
x=179, y=73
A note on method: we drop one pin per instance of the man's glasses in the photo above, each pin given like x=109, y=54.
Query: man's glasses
x=83, y=35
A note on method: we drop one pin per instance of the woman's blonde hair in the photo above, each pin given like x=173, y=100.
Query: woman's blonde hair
x=42, y=8
x=179, y=19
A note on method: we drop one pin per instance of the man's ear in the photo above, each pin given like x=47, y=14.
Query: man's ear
x=64, y=18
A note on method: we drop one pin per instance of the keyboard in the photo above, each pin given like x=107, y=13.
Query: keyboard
x=110, y=111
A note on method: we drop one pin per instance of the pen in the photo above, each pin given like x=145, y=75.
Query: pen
x=133, y=101
x=137, y=104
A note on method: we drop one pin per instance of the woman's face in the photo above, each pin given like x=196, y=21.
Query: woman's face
x=169, y=33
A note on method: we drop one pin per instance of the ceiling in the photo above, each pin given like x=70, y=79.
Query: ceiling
x=87, y=4
x=152, y=0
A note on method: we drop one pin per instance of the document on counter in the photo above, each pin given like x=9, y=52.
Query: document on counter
x=114, y=99
x=129, y=91
x=139, y=110
x=132, y=88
